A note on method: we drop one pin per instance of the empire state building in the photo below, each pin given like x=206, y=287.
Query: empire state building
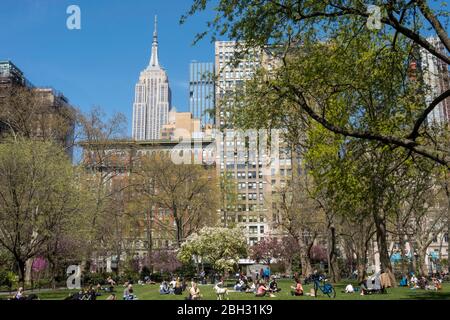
x=152, y=101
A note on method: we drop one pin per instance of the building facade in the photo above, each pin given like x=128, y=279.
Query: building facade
x=201, y=92
x=242, y=159
x=181, y=125
x=10, y=75
x=49, y=113
x=436, y=78
x=119, y=160
x=152, y=98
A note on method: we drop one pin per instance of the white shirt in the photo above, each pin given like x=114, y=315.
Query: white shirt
x=349, y=289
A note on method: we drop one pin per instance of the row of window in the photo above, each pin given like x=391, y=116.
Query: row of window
x=250, y=185
x=242, y=218
x=250, y=196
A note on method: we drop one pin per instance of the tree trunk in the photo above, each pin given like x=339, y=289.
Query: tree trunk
x=21, y=269
x=447, y=191
x=413, y=259
x=305, y=260
x=178, y=226
x=422, y=256
x=361, y=258
x=149, y=225
x=28, y=271
x=402, y=245
x=381, y=233
x=333, y=266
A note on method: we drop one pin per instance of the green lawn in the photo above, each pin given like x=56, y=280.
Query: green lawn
x=151, y=292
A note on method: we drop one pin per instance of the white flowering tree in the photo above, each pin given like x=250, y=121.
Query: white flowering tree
x=222, y=247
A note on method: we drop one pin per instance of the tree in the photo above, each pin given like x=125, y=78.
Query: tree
x=188, y=192
x=301, y=217
x=266, y=250
x=165, y=261
x=101, y=181
x=221, y=247
x=38, y=197
x=30, y=113
x=288, y=252
x=329, y=57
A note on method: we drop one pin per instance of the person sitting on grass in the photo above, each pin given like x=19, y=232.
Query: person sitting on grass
x=273, y=286
x=422, y=283
x=178, y=289
x=172, y=285
x=404, y=281
x=19, y=295
x=194, y=292
x=164, y=288
x=363, y=286
x=112, y=296
x=262, y=290
x=413, y=282
x=111, y=284
x=297, y=290
x=252, y=287
x=131, y=295
x=90, y=293
x=240, y=286
x=128, y=294
x=437, y=284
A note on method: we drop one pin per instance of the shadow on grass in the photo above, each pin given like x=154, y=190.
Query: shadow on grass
x=428, y=295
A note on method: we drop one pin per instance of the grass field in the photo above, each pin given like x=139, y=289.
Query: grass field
x=151, y=292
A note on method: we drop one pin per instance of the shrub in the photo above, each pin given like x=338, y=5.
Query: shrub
x=129, y=276
x=7, y=278
x=92, y=279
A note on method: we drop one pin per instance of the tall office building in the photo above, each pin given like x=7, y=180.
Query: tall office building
x=152, y=98
x=201, y=92
x=240, y=158
x=436, y=78
x=49, y=113
x=11, y=75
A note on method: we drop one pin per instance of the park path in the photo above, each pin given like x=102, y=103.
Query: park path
x=7, y=293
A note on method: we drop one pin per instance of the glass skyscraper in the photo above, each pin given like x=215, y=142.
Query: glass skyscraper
x=201, y=92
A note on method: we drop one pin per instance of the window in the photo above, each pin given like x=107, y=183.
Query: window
x=242, y=218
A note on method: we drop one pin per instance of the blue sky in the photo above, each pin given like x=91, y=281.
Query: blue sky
x=100, y=64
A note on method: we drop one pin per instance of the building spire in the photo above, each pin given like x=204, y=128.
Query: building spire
x=154, y=59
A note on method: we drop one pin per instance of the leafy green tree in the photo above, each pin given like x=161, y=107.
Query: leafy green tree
x=38, y=197
x=352, y=79
x=355, y=81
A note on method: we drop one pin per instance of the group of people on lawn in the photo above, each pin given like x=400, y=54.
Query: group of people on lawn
x=177, y=286
x=422, y=282
x=260, y=288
